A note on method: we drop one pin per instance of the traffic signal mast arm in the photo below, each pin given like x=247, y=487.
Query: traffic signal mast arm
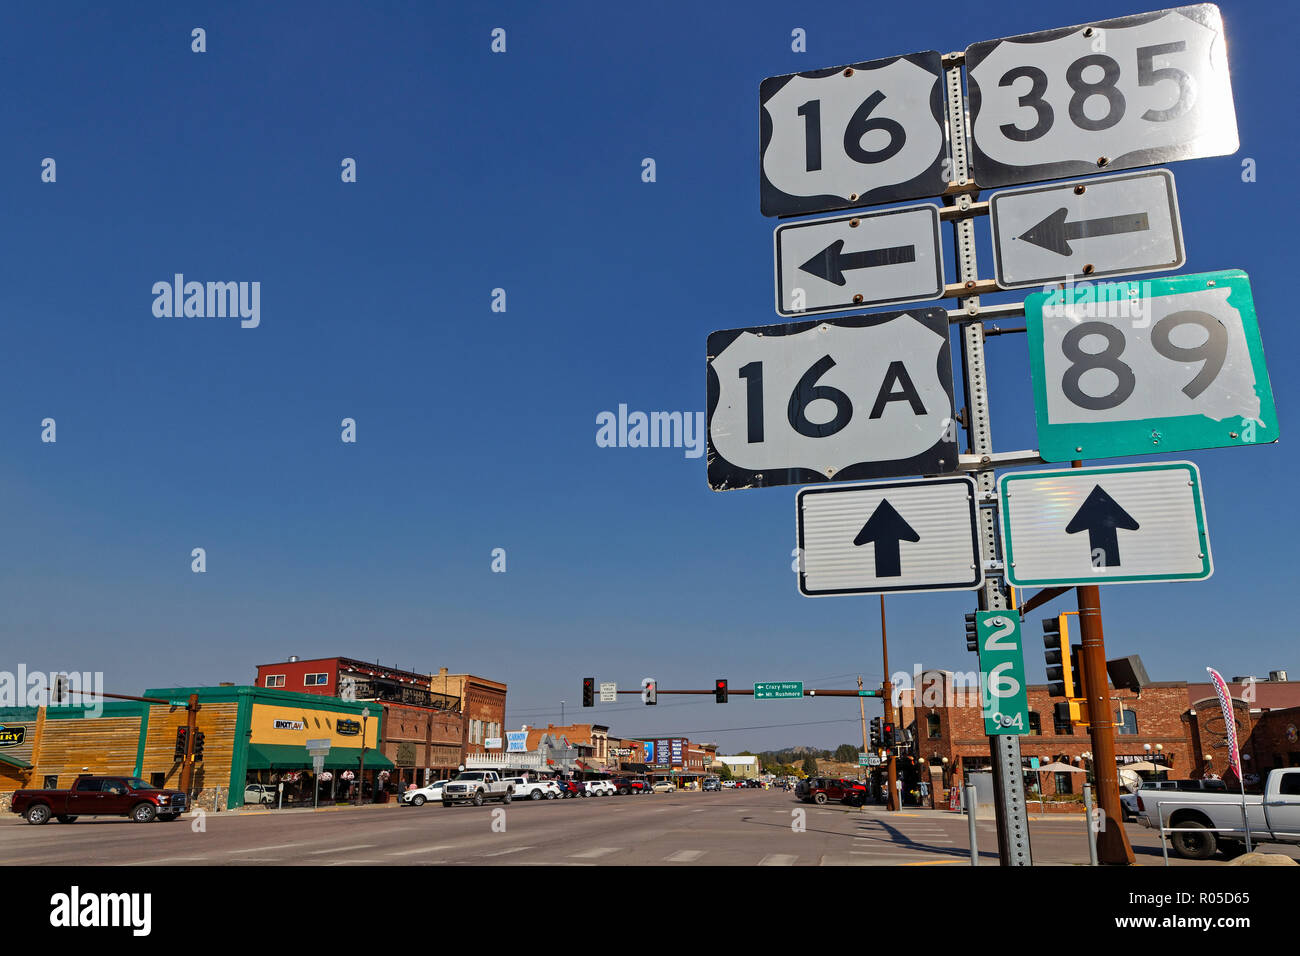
x=734, y=691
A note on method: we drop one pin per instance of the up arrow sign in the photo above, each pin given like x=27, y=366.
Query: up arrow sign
x=886, y=529
x=1044, y=516
x=1102, y=518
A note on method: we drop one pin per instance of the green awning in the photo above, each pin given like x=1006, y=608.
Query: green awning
x=14, y=761
x=289, y=757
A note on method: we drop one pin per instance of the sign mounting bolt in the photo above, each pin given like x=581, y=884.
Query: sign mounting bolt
x=1088, y=268
x=853, y=197
x=848, y=71
x=857, y=298
x=1103, y=161
x=853, y=223
x=1080, y=189
x=1232, y=434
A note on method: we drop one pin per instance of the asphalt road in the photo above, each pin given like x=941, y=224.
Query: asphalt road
x=731, y=828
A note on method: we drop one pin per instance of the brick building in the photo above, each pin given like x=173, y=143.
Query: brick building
x=431, y=723
x=591, y=741
x=950, y=743
x=1266, y=712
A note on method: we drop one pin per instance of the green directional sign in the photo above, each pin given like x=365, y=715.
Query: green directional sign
x=1135, y=368
x=1003, y=695
x=863, y=759
x=778, y=689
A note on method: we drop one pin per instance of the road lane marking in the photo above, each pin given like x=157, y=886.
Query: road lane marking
x=166, y=859
x=422, y=849
x=594, y=852
x=513, y=849
x=263, y=849
x=778, y=859
x=340, y=849
x=684, y=856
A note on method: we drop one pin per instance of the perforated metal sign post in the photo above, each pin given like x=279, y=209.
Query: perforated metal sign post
x=837, y=399
x=852, y=135
x=1115, y=94
x=1134, y=368
x=872, y=258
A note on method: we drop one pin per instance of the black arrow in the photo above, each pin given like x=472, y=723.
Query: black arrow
x=832, y=262
x=1101, y=517
x=1054, y=233
x=886, y=529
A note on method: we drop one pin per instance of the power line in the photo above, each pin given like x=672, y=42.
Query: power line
x=723, y=730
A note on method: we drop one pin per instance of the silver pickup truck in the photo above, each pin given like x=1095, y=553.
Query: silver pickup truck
x=476, y=787
x=1206, y=822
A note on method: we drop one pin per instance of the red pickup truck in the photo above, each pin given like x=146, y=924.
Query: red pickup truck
x=93, y=796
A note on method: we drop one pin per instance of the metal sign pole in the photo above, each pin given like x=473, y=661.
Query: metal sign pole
x=1008, y=777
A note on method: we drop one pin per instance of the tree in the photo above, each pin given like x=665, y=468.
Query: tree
x=846, y=753
x=724, y=772
x=810, y=765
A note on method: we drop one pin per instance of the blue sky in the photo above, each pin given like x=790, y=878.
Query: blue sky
x=476, y=429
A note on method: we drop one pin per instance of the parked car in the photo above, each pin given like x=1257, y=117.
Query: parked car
x=600, y=788
x=525, y=789
x=822, y=790
x=728, y=785
x=630, y=785
x=259, y=793
x=93, y=796
x=712, y=783
x=664, y=786
x=1207, y=821
x=570, y=788
x=1129, y=803
x=476, y=787
x=419, y=796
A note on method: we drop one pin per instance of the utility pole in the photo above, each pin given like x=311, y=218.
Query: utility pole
x=888, y=693
x=862, y=708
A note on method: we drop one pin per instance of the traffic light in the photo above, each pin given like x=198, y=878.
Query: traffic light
x=887, y=735
x=649, y=690
x=589, y=692
x=875, y=732
x=179, y=752
x=720, y=691
x=198, y=745
x=972, y=634
x=1076, y=667
x=1073, y=711
x=1056, y=652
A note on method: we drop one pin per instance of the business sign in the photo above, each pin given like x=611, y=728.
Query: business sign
x=837, y=399
x=1111, y=226
x=608, y=692
x=288, y=725
x=622, y=751
x=676, y=751
x=663, y=754
x=1004, y=694
x=850, y=262
x=347, y=728
x=12, y=736
x=320, y=746
x=916, y=535
x=1116, y=94
x=854, y=135
x=649, y=751
x=516, y=741
x=492, y=743
x=1134, y=368
x=778, y=690
x=1112, y=525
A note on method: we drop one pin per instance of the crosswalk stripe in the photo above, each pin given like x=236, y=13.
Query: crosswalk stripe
x=594, y=852
x=778, y=859
x=422, y=849
x=513, y=849
x=684, y=856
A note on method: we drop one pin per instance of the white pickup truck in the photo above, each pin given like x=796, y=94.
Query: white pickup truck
x=1207, y=822
x=525, y=789
x=476, y=787
x=599, y=788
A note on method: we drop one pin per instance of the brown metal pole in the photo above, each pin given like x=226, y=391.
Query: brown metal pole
x=892, y=802
x=1112, y=839
x=862, y=709
x=191, y=721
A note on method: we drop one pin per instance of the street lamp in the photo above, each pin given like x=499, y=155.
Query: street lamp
x=361, y=771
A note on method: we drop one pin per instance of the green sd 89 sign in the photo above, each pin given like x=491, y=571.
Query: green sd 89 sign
x=1002, y=673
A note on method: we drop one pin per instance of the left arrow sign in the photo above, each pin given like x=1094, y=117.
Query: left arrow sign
x=831, y=263
x=1054, y=233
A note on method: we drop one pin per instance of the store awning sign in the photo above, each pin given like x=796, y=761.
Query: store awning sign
x=12, y=736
